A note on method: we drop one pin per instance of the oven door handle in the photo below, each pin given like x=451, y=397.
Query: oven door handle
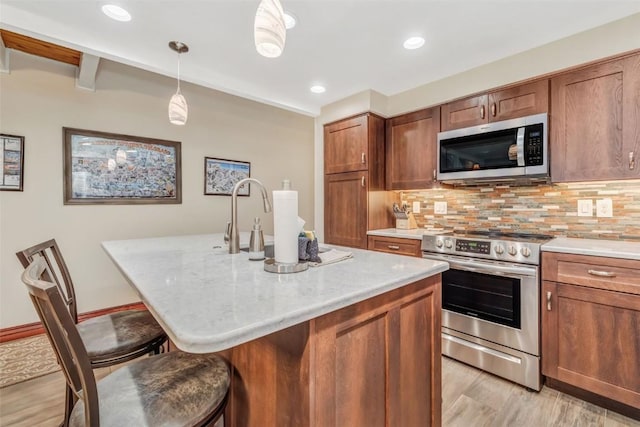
x=485, y=268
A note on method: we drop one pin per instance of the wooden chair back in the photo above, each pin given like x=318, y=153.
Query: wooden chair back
x=56, y=271
x=64, y=336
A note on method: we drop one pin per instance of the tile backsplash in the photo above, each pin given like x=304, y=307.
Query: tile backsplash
x=547, y=209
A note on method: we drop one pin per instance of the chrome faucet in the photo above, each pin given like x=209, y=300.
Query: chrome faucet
x=234, y=235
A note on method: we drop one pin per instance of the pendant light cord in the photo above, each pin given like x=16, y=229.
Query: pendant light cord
x=179, y=72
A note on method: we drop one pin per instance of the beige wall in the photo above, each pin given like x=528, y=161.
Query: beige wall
x=39, y=97
x=616, y=37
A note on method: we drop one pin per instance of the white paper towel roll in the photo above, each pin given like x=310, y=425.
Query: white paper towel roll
x=285, y=224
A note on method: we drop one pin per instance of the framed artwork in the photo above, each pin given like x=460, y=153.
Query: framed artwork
x=221, y=175
x=108, y=168
x=11, y=162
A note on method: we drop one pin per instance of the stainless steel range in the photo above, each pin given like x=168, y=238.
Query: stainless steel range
x=490, y=301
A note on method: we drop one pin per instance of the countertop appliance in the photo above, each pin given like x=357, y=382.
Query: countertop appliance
x=509, y=150
x=490, y=301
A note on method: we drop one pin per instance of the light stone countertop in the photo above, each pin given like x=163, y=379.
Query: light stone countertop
x=209, y=300
x=595, y=247
x=415, y=233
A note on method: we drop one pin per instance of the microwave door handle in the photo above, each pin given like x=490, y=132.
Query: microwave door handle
x=520, y=146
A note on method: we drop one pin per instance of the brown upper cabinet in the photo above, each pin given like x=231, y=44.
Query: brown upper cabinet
x=354, y=178
x=353, y=144
x=518, y=101
x=411, y=149
x=595, y=122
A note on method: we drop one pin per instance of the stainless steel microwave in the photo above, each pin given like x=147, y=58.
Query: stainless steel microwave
x=510, y=150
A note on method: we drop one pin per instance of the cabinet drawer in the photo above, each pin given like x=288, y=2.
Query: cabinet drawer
x=394, y=245
x=596, y=272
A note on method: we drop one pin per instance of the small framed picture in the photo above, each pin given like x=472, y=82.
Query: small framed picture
x=11, y=162
x=221, y=175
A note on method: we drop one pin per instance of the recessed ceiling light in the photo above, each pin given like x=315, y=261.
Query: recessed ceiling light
x=289, y=20
x=413, y=43
x=116, y=12
x=317, y=89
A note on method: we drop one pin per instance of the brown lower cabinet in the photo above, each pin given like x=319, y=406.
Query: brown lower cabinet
x=591, y=327
x=374, y=363
x=395, y=245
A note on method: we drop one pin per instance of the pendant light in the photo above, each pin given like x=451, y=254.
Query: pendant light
x=178, y=109
x=269, y=29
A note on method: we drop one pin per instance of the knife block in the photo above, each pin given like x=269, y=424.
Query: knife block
x=408, y=223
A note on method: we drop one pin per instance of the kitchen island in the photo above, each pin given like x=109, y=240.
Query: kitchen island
x=351, y=343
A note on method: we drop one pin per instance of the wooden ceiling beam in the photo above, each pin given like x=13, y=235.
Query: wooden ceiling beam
x=40, y=48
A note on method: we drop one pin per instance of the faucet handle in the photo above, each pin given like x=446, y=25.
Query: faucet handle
x=227, y=233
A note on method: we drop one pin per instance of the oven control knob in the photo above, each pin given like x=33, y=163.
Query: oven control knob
x=513, y=251
x=499, y=249
x=439, y=243
x=526, y=252
x=448, y=243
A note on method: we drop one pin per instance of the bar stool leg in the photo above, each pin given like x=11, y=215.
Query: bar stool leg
x=69, y=402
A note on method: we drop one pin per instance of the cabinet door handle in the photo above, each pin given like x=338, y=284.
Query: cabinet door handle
x=548, y=300
x=632, y=160
x=394, y=247
x=434, y=175
x=482, y=111
x=362, y=181
x=493, y=109
x=363, y=158
x=601, y=273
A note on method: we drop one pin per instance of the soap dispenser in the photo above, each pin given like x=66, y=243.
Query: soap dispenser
x=256, y=242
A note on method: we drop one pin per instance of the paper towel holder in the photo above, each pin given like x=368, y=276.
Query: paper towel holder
x=272, y=266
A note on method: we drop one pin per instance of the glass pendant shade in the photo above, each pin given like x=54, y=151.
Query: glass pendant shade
x=269, y=29
x=178, y=109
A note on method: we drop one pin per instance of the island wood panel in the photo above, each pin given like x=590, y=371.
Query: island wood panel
x=411, y=149
x=596, y=122
x=356, y=370
x=270, y=385
x=374, y=363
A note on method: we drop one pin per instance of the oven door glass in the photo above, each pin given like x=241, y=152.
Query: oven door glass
x=484, y=296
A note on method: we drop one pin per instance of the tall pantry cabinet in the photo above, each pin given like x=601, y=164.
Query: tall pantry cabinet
x=354, y=196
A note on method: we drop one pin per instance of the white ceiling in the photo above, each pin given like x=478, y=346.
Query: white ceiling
x=346, y=45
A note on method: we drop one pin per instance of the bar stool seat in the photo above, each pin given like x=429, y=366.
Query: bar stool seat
x=123, y=335
x=173, y=389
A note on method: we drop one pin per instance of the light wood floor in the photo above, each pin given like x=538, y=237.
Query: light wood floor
x=470, y=398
